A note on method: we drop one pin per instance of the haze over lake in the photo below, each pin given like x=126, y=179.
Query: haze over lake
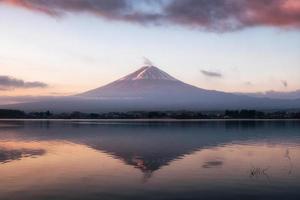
x=149, y=160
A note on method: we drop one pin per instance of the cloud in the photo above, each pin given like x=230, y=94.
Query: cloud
x=284, y=83
x=211, y=164
x=61, y=7
x=209, y=15
x=211, y=74
x=7, y=82
x=148, y=62
x=110, y=9
x=248, y=83
x=230, y=15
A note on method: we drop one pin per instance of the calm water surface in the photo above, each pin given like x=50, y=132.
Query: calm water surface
x=149, y=160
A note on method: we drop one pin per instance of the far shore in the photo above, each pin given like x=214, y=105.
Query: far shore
x=147, y=120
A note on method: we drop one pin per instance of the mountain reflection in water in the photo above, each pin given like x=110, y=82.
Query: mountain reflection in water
x=7, y=155
x=140, y=160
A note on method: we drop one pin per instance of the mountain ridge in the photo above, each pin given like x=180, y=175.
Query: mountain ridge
x=150, y=88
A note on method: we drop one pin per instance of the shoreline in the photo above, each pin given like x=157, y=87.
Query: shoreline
x=147, y=120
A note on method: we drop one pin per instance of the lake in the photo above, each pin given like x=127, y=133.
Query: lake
x=41, y=160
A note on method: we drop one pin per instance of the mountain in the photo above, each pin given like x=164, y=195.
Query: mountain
x=148, y=83
x=150, y=88
x=275, y=94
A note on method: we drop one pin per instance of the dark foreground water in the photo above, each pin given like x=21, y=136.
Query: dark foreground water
x=149, y=160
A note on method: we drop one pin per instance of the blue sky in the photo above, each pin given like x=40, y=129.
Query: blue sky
x=81, y=51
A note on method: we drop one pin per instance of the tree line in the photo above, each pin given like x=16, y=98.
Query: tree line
x=228, y=114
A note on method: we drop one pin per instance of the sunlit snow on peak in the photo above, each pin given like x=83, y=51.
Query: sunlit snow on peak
x=149, y=73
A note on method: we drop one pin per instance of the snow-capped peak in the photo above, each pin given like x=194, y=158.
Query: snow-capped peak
x=149, y=73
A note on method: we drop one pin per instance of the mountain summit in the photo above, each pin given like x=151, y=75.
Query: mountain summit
x=146, y=82
x=148, y=73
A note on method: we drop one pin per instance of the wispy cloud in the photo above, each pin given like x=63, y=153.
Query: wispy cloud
x=209, y=15
x=7, y=83
x=148, y=62
x=248, y=83
x=211, y=74
x=284, y=83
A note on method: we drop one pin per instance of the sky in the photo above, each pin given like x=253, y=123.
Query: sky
x=69, y=46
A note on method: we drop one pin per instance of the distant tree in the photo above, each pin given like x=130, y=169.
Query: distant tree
x=76, y=115
x=232, y=114
x=4, y=113
x=48, y=114
x=94, y=116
